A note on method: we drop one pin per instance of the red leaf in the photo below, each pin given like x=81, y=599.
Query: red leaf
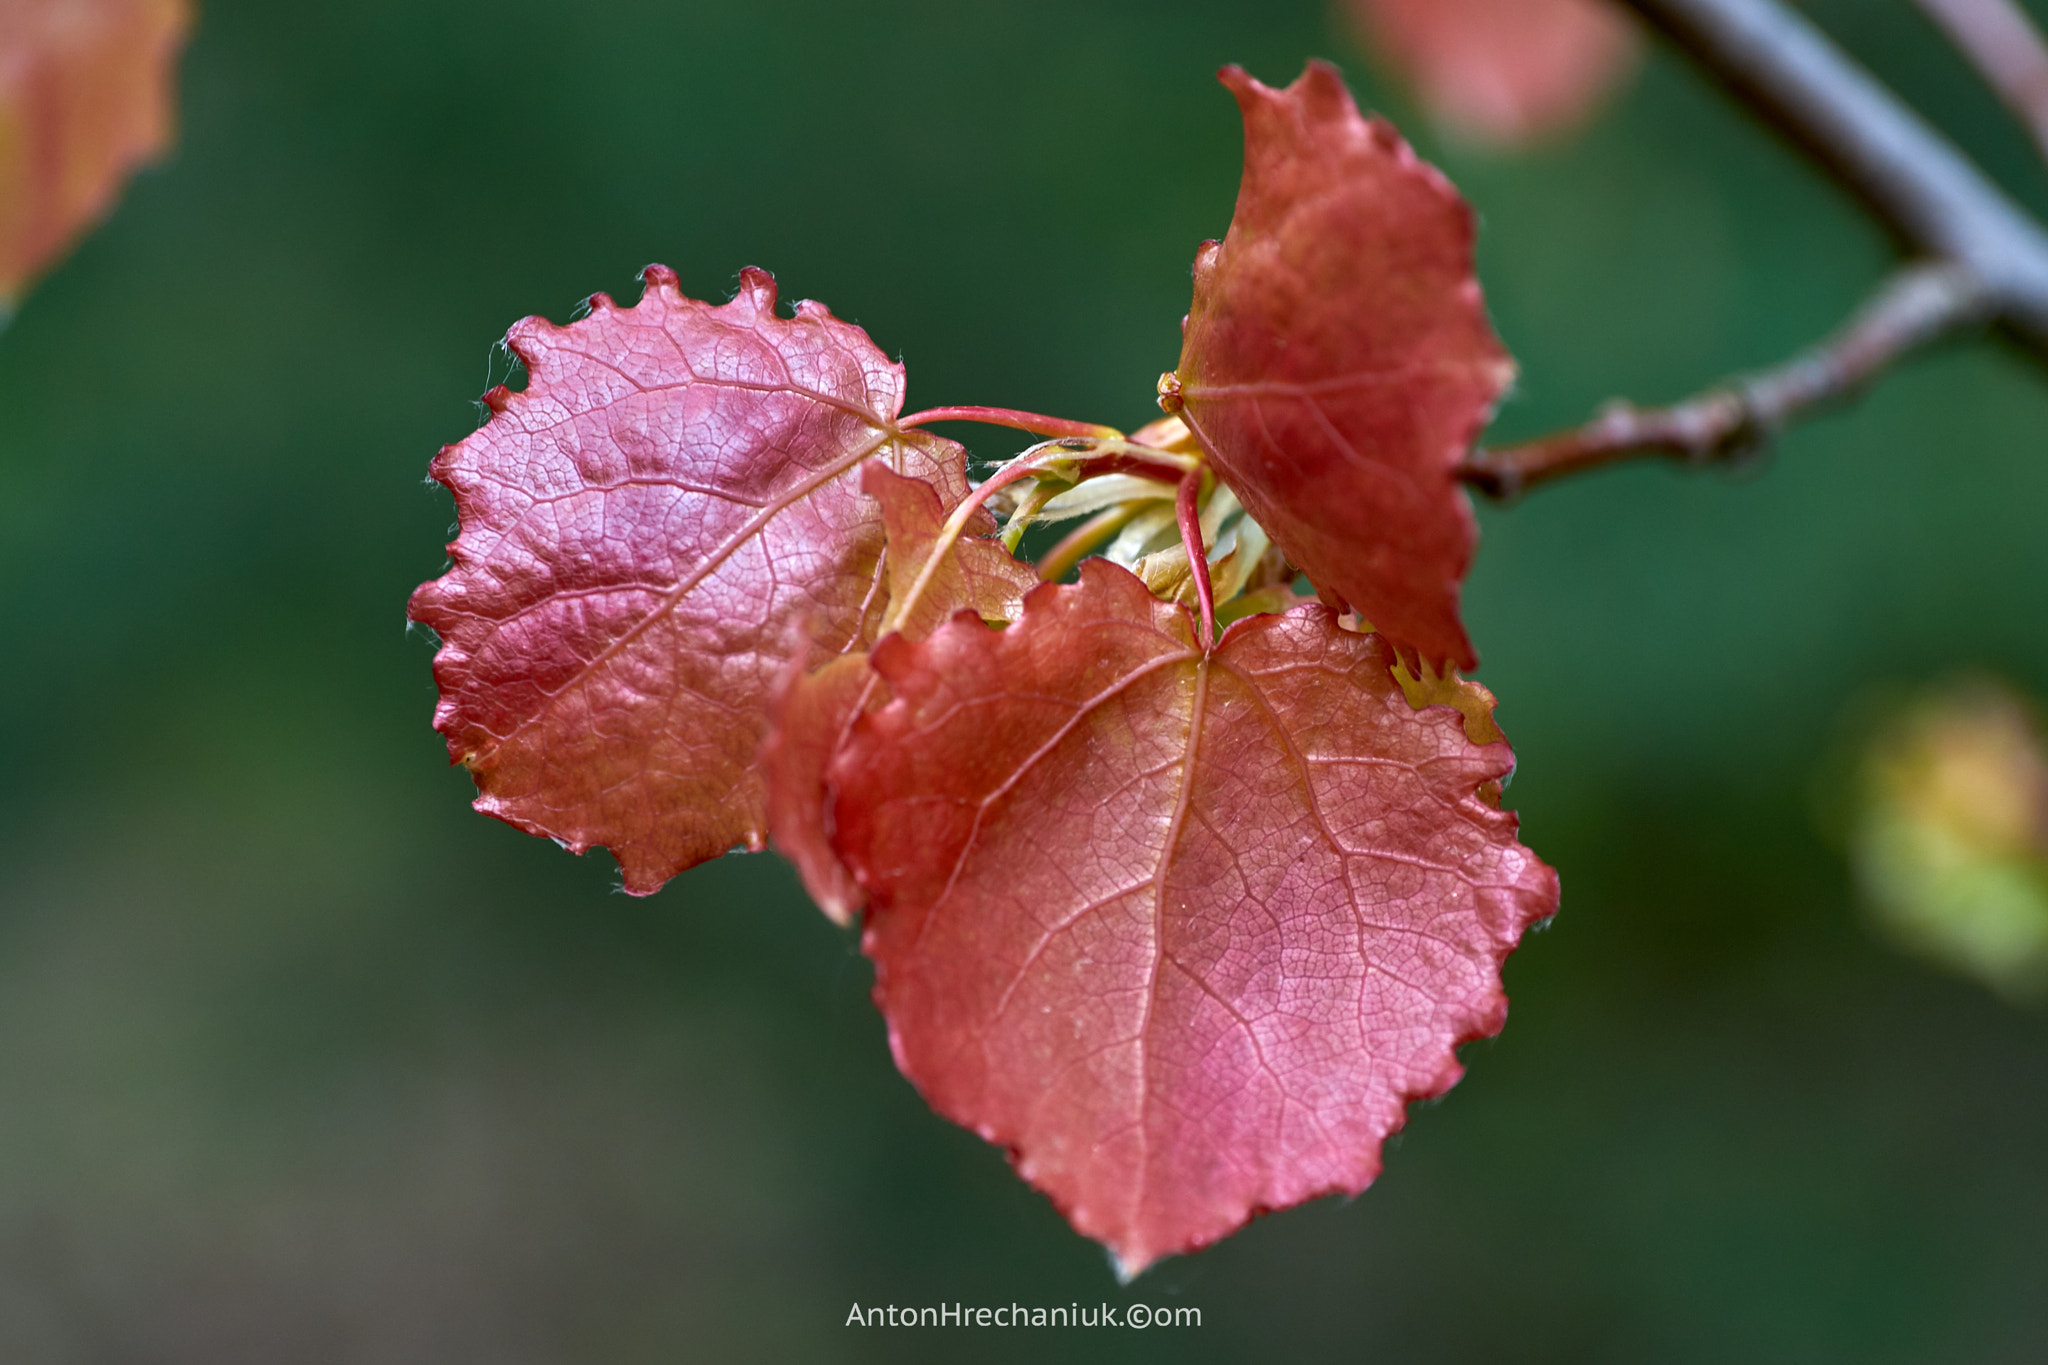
x=1185, y=932
x=85, y=98
x=1338, y=363
x=811, y=716
x=1502, y=71
x=812, y=711
x=667, y=514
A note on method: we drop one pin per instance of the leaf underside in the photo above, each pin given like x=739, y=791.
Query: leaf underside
x=1337, y=361
x=1183, y=931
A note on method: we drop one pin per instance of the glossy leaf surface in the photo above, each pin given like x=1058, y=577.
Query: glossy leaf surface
x=1183, y=931
x=86, y=96
x=1338, y=362
x=665, y=516
x=1502, y=71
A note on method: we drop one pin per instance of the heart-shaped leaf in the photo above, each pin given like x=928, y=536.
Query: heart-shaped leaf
x=1183, y=930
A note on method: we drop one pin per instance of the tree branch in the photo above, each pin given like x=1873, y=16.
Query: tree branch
x=2007, y=50
x=1913, y=178
x=1982, y=257
x=1915, y=306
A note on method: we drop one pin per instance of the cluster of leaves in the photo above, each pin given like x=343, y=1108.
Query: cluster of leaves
x=1177, y=886
x=85, y=98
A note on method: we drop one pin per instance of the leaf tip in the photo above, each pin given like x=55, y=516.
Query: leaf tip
x=524, y=339
x=757, y=291
x=635, y=880
x=1320, y=88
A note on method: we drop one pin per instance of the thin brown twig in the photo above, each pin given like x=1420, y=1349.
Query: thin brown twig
x=1915, y=306
x=2007, y=50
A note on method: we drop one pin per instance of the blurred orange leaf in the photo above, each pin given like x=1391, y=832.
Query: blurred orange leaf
x=86, y=96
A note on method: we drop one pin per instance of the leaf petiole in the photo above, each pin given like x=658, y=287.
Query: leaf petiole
x=1187, y=507
x=1038, y=424
x=1072, y=460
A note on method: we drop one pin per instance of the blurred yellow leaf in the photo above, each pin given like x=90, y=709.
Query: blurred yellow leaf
x=1951, y=840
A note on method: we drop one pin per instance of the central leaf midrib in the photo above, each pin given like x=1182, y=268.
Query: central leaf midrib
x=1168, y=846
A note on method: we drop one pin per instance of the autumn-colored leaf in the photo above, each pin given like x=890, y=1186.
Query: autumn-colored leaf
x=668, y=513
x=1501, y=71
x=813, y=708
x=86, y=96
x=1338, y=363
x=1183, y=930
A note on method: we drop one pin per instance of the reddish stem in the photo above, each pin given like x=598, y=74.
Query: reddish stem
x=1187, y=507
x=1035, y=423
x=1918, y=305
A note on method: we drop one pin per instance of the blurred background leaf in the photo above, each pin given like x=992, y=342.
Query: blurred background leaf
x=302, y=1060
x=87, y=93
x=1951, y=839
x=1501, y=72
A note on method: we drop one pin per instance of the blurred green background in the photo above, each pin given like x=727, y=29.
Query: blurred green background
x=301, y=1060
